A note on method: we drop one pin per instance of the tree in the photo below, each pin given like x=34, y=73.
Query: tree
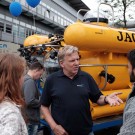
x=123, y=10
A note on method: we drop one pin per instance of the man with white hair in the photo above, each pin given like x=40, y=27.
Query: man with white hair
x=68, y=92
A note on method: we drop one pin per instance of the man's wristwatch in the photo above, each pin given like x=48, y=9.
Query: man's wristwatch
x=105, y=100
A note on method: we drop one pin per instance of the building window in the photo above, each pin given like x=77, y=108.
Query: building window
x=65, y=22
x=1, y=26
x=55, y=18
x=39, y=9
x=38, y=31
x=62, y=21
x=32, y=32
x=15, y=30
x=28, y=32
x=8, y=28
x=21, y=32
x=47, y=13
x=43, y=11
x=59, y=20
x=51, y=16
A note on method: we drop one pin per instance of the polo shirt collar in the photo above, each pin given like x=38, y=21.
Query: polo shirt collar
x=61, y=73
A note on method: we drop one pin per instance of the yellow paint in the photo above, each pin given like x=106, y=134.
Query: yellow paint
x=103, y=48
x=36, y=40
x=106, y=110
x=99, y=38
x=119, y=72
x=123, y=96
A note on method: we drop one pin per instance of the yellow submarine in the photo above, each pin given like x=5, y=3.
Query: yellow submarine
x=103, y=51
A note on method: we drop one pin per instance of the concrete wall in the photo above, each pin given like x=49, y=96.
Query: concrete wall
x=7, y=47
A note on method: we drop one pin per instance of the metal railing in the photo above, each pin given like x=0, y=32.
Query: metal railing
x=98, y=12
x=105, y=66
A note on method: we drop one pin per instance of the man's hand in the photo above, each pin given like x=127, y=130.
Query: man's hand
x=113, y=99
x=59, y=130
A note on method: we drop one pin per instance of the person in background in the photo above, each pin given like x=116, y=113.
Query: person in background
x=128, y=127
x=31, y=96
x=68, y=92
x=12, y=69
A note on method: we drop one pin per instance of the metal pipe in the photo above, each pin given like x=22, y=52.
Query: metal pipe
x=80, y=11
x=98, y=12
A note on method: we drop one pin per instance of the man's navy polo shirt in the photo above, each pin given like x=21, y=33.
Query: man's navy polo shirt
x=69, y=100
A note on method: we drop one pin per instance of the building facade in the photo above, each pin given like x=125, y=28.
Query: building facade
x=49, y=17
